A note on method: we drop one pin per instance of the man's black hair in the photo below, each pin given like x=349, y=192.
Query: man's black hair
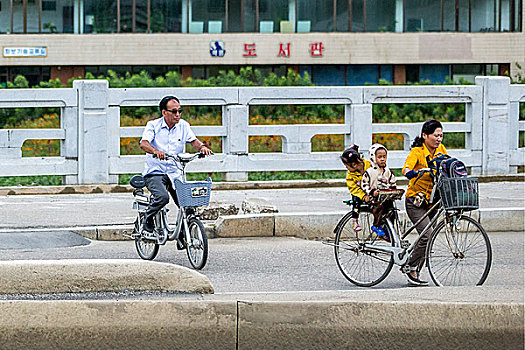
x=164, y=102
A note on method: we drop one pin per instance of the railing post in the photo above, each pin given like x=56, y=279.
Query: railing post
x=113, y=121
x=92, y=131
x=361, y=126
x=496, y=124
x=235, y=119
x=474, y=139
x=69, y=146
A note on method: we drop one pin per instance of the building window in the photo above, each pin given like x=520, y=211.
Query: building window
x=361, y=74
x=466, y=72
x=434, y=73
x=315, y=16
x=329, y=75
x=464, y=22
x=412, y=73
x=483, y=16
x=266, y=16
x=34, y=75
x=234, y=20
x=249, y=17
x=272, y=13
x=448, y=15
x=380, y=15
x=100, y=16
x=207, y=16
x=49, y=5
x=341, y=16
x=358, y=11
x=166, y=16
x=420, y=16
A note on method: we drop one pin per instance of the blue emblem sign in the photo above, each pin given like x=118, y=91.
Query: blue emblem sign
x=217, y=49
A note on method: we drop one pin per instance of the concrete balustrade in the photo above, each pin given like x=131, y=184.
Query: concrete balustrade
x=90, y=129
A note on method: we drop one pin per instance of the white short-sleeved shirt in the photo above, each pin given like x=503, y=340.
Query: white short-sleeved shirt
x=168, y=141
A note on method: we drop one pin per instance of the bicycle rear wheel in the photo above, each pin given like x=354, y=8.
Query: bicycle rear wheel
x=197, y=248
x=147, y=249
x=361, y=266
x=459, y=253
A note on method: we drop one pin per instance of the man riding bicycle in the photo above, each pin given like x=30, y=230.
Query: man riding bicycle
x=165, y=135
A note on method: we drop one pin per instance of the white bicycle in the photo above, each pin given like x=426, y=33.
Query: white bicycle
x=189, y=231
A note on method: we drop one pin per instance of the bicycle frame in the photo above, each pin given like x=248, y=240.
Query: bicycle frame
x=164, y=231
x=399, y=253
x=365, y=258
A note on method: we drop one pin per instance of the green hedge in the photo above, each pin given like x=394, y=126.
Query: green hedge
x=279, y=114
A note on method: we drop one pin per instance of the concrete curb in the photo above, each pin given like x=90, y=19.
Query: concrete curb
x=90, y=275
x=117, y=325
x=387, y=325
x=316, y=225
x=238, y=324
x=218, y=186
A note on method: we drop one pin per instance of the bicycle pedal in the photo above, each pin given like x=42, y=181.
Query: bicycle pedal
x=405, y=269
x=131, y=236
x=405, y=244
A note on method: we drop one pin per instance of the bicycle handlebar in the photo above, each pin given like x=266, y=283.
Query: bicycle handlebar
x=184, y=157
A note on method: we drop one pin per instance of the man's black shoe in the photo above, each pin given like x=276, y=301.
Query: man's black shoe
x=180, y=242
x=147, y=226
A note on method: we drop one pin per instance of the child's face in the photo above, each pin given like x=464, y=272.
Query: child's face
x=381, y=157
x=356, y=166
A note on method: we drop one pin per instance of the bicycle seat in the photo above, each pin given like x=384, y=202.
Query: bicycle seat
x=137, y=181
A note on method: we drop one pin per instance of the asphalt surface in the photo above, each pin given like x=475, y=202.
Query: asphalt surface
x=277, y=265
x=250, y=265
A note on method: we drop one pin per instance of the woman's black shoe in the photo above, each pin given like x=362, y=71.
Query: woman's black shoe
x=415, y=281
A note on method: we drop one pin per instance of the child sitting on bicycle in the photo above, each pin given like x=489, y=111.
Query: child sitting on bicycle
x=378, y=177
x=356, y=167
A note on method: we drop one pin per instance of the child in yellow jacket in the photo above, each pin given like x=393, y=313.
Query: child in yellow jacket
x=356, y=167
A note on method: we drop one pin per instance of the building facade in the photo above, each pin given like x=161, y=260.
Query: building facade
x=338, y=42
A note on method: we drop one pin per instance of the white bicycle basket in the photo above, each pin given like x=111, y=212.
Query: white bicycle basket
x=193, y=193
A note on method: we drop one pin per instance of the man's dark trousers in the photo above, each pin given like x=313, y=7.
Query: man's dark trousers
x=159, y=185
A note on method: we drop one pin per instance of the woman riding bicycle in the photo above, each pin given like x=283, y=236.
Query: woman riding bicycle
x=424, y=148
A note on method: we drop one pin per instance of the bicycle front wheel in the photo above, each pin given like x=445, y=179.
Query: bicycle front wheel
x=362, y=266
x=459, y=253
x=197, y=247
x=146, y=248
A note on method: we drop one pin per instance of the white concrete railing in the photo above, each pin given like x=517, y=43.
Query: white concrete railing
x=92, y=111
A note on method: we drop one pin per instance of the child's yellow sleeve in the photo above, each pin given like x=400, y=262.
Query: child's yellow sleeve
x=352, y=182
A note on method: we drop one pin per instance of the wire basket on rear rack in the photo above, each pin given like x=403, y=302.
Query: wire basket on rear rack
x=390, y=194
x=459, y=193
x=193, y=193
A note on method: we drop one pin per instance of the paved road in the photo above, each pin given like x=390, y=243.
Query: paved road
x=45, y=211
x=280, y=264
